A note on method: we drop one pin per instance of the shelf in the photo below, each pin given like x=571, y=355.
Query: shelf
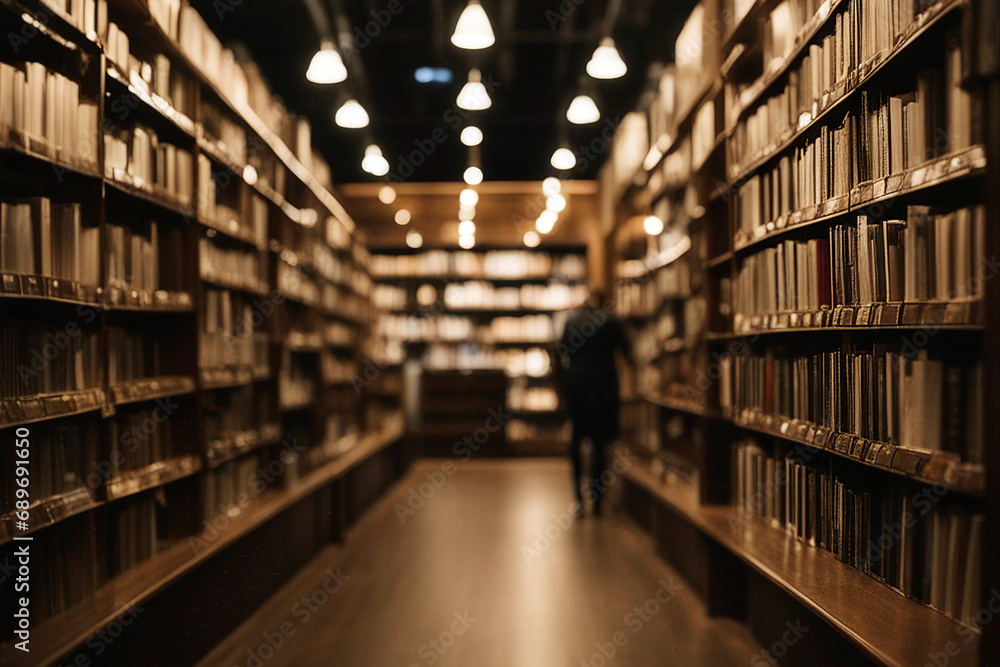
x=261, y=289
x=149, y=389
x=679, y=405
x=144, y=301
x=17, y=143
x=154, y=104
x=53, y=23
x=231, y=229
x=15, y=286
x=720, y=260
x=226, y=449
x=889, y=628
x=225, y=377
x=152, y=476
x=24, y=411
x=540, y=280
x=49, y=511
x=899, y=316
x=124, y=184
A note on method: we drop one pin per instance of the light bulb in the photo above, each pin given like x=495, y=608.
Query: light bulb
x=467, y=241
x=373, y=161
x=326, y=66
x=473, y=176
x=473, y=96
x=652, y=225
x=386, y=194
x=402, y=216
x=583, y=110
x=545, y=223
x=551, y=186
x=606, y=63
x=555, y=203
x=473, y=30
x=468, y=197
x=532, y=239
x=466, y=212
x=414, y=239
x=472, y=136
x=466, y=227
x=563, y=159
x=250, y=174
x=351, y=115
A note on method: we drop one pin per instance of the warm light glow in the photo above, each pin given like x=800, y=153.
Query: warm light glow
x=472, y=136
x=373, y=161
x=606, y=63
x=532, y=239
x=386, y=194
x=473, y=30
x=653, y=225
x=551, y=186
x=466, y=212
x=250, y=174
x=414, y=239
x=326, y=66
x=545, y=223
x=563, y=159
x=467, y=241
x=583, y=110
x=473, y=96
x=468, y=197
x=555, y=203
x=351, y=115
x=473, y=175
x=466, y=227
x=402, y=216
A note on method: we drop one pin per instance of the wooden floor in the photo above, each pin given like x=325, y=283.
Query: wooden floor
x=466, y=580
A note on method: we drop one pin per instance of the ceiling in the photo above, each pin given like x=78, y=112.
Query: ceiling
x=537, y=63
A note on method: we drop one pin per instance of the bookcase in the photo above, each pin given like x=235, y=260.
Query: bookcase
x=183, y=307
x=815, y=388
x=481, y=311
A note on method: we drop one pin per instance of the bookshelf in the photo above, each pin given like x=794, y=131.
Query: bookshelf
x=812, y=328
x=492, y=311
x=184, y=305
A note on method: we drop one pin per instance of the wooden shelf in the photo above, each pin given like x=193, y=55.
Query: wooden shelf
x=15, y=286
x=226, y=449
x=896, y=316
x=33, y=409
x=50, y=511
x=150, y=389
x=152, y=476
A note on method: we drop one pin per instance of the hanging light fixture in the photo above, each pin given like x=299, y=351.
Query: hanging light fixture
x=326, y=66
x=652, y=225
x=373, y=161
x=414, y=239
x=402, y=216
x=468, y=197
x=546, y=222
x=473, y=96
x=473, y=30
x=555, y=203
x=563, y=159
x=473, y=175
x=472, y=136
x=466, y=213
x=606, y=63
x=386, y=194
x=466, y=227
x=532, y=239
x=351, y=115
x=583, y=110
x=551, y=186
x=467, y=241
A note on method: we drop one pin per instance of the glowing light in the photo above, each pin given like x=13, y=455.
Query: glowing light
x=402, y=216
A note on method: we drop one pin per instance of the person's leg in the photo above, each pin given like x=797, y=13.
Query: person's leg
x=575, y=455
x=597, y=447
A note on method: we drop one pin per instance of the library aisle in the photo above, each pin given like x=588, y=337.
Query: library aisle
x=490, y=570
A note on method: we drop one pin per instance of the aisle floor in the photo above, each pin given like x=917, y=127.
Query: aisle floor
x=490, y=570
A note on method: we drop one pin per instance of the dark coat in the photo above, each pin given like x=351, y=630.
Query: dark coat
x=588, y=375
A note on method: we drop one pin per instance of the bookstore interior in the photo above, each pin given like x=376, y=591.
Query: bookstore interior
x=290, y=294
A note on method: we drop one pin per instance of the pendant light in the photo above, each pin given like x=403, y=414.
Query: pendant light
x=473, y=96
x=468, y=197
x=546, y=222
x=466, y=213
x=467, y=241
x=473, y=176
x=606, y=63
x=414, y=239
x=551, y=186
x=326, y=66
x=386, y=194
x=555, y=203
x=473, y=30
x=351, y=115
x=466, y=227
x=532, y=239
x=583, y=110
x=563, y=159
x=373, y=161
x=401, y=217
x=472, y=136
x=652, y=225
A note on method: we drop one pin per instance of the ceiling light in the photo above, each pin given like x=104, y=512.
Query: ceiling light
x=250, y=174
x=551, y=186
x=429, y=74
x=532, y=239
x=402, y=216
x=473, y=176
x=653, y=225
x=555, y=203
x=467, y=241
x=563, y=159
x=414, y=239
x=473, y=96
x=386, y=194
x=351, y=115
x=468, y=197
x=466, y=227
x=472, y=136
x=373, y=161
x=583, y=110
x=606, y=63
x=473, y=30
x=545, y=223
x=326, y=66
x=466, y=212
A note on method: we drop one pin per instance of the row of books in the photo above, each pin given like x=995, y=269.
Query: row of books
x=62, y=455
x=888, y=531
x=228, y=336
x=234, y=411
x=133, y=257
x=474, y=294
x=217, y=203
x=521, y=430
x=137, y=155
x=232, y=485
x=46, y=238
x=138, y=530
x=47, y=106
x=643, y=297
x=885, y=393
x=220, y=127
x=231, y=266
x=141, y=438
x=134, y=355
x=499, y=264
x=521, y=396
x=37, y=358
x=156, y=77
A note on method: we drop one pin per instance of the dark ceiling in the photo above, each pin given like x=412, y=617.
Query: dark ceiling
x=538, y=62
